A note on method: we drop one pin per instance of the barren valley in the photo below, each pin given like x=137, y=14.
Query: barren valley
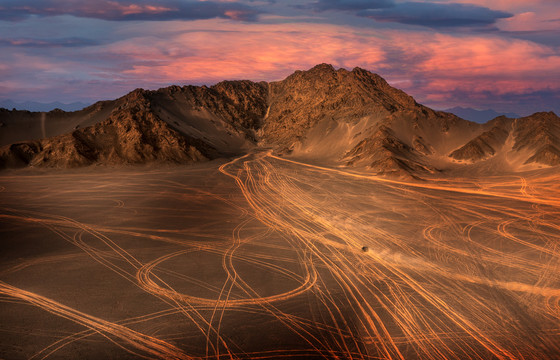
x=326, y=216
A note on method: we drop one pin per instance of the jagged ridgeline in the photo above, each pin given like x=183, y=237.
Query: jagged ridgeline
x=333, y=117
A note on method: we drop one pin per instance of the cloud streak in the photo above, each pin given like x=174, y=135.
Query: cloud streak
x=485, y=58
x=323, y=5
x=46, y=43
x=436, y=15
x=441, y=70
x=123, y=10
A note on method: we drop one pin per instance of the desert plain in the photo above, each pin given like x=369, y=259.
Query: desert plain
x=268, y=257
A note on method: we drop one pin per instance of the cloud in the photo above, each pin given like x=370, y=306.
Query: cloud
x=473, y=69
x=119, y=10
x=44, y=43
x=545, y=37
x=525, y=103
x=483, y=72
x=436, y=15
x=322, y=5
x=506, y=5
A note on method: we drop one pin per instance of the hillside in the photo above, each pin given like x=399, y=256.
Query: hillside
x=173, y=125
x=130, y=135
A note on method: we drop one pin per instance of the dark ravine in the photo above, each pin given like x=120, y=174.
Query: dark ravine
x=336, y=117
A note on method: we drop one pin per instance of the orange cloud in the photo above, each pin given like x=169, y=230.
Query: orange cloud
x=262, y=52
x=431, y=66
x=256, y=51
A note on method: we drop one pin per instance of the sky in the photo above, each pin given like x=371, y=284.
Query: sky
x=499, y=54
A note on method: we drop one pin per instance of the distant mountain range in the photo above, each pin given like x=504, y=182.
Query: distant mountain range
x=341, y=118
x=37, y=106
x=479, y=116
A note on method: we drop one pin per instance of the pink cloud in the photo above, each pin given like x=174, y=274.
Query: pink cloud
x=256, y=51
x=506, y=5
x=532, y=21
x=261, y=52
x=430, y=66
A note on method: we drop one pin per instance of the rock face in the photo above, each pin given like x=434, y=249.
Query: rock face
x=338, y=117
x=239, y=104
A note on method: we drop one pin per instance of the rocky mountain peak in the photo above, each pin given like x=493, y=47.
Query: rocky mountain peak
x=305, y=98
x=323, y=68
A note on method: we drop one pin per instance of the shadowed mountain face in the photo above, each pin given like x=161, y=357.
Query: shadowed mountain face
x=337, y=117
x=539, y=135
x=483, y=146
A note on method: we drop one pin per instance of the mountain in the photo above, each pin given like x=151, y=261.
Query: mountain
x=353, y=117
x=173, y=125
x=131, y=134
x=539, y=136
x=522, y=143
x=479, y=116
x=483, y=146
x=336, y=117
x=37, y=106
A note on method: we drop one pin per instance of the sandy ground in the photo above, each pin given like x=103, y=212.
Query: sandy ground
x=262, y=258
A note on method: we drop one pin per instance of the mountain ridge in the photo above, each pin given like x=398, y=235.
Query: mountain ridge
x=349, y=118
x=479, y=116
x=39, y=106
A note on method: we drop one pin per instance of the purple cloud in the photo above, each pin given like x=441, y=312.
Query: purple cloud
x=118, y=10
x=322, y=5
x=436, y=15
x=44, y=43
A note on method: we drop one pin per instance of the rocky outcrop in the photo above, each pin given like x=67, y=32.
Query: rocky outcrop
x=241, y=104
x=546, y=155
x=535, y=140
x=420, y=145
